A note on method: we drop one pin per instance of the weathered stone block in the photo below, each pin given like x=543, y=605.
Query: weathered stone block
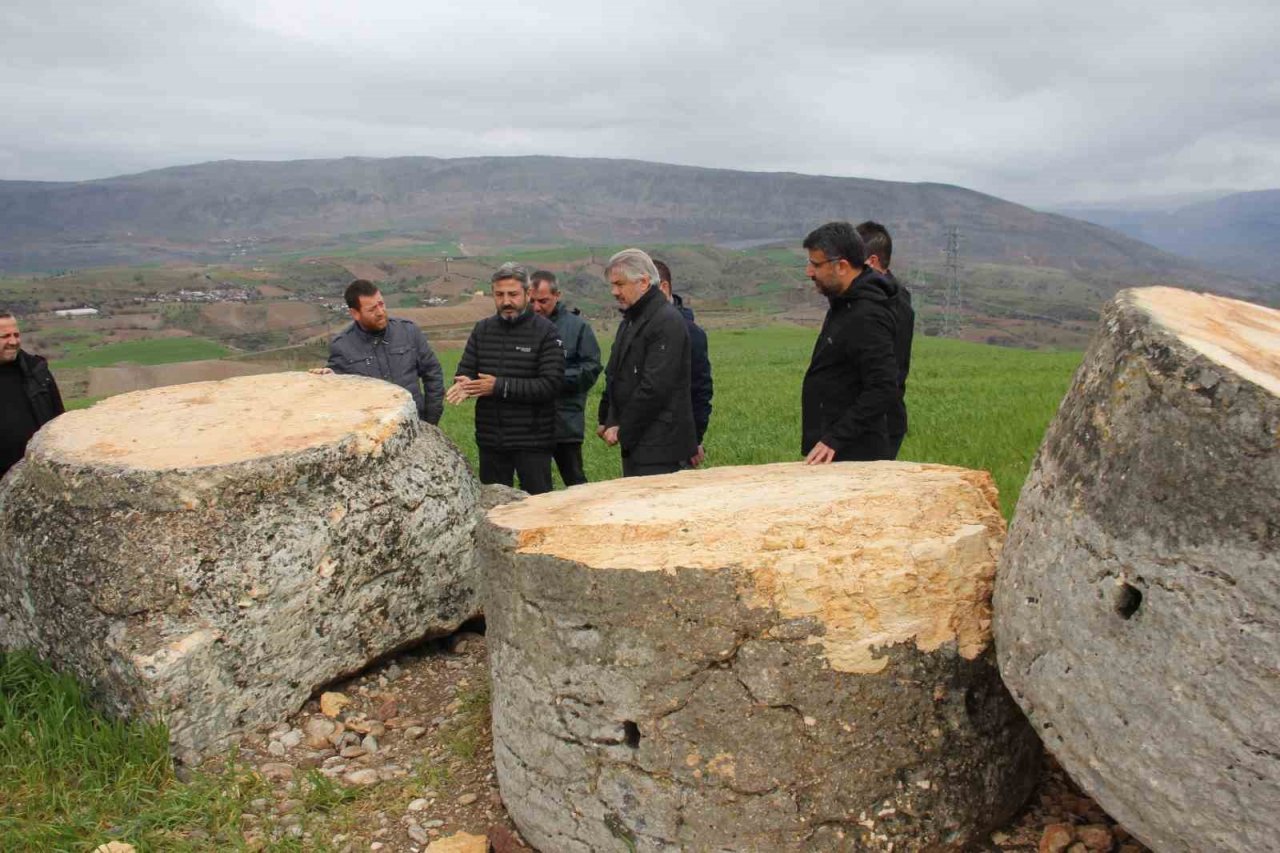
x=1138, y=599
x=779, y=657
x=210, y=554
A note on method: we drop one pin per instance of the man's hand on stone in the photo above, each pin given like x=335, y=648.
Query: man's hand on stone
x=610, y=436
x=820, y=455
x=697, y=458
x=457, y=392
x=320, y=371
x=482, y=386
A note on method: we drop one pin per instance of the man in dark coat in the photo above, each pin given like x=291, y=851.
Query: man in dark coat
x=700, y=385
x=645, y=408
x=581, y=369
x=513, y=365
x=387, y=348
x=29, y=396
x=852, y=380
x=879, y=247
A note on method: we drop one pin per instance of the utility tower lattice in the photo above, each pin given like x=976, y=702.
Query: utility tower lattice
x=951, y=311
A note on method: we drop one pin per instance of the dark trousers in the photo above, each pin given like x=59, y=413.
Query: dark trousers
x=532, y=466
x=895, y=444
x=648, y=469
x=568, y=457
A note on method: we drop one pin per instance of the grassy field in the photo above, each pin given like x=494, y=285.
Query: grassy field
x=69, y=779
x=154, y=351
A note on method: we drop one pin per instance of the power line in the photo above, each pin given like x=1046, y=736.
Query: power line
x=951, y=311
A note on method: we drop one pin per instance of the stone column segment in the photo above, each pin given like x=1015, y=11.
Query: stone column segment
x=1137, y=609
x=210, y=554
x=777, y=657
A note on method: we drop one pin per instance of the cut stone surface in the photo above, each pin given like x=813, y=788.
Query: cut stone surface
x=1138, y=598
x=779, y=657
x=210, y=554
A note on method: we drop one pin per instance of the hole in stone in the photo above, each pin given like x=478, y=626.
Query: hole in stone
x=1128, y=600
x=631, y=734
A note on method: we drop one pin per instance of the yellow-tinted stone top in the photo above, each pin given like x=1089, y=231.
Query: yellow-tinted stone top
x=1238, y=335
x=233, y=420
x=881, y=553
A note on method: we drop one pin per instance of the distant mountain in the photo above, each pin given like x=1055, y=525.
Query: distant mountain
x=174, y=213
x=1238, y=233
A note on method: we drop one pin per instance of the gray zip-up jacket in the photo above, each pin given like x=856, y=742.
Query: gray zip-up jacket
x=400, y=355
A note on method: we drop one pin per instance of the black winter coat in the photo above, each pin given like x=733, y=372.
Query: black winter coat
x=527, y=358
x=646, y=392
x=852, y=380
x=700, y=385
x=582, y=368
x=905, y=317
x=39, y=402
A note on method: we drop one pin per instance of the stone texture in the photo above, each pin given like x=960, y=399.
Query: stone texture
x=779, y=657
x=1138, y=598
x=211, y=554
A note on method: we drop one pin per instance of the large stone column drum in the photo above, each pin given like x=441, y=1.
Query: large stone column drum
x=779, y=657
x=210, y=554
x=1138, y=599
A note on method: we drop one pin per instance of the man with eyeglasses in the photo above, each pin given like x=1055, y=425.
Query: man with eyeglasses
x=852, y=380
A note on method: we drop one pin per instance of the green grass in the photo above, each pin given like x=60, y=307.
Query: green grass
x=970, y=405
x=156, y=351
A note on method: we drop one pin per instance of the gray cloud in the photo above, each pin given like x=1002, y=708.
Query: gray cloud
x=1037, y=102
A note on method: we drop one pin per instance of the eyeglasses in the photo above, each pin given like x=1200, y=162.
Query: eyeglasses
x=816, y=264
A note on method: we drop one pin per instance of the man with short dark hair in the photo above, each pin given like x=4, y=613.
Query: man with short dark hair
x=513, y=365
x=701, y=388
x=29, y=396
x=387, y=348
x=852, y=380
x=645, y=407
x=879, y=246
x=581, y=369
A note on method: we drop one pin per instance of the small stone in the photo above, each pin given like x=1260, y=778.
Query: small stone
x=393, y=672
x=331, y=704
x=291, y=738
x=370, y=743
x=317, y=732
x=1077, y=847
x=289, y=806
x=460, y=842
x=999, y=837
x=377, y=729
x=810, y=721
x=114, y=847
x=358, y=724
x=414, y=732
x=1056, y=838
x=467, y=799
x=350, y=739
x=460, y=647
x=386, y=710
x=353, y=752
x=275, y=772
x=364, y=777
x=276, y=748
x=433, y=824
x=503, y=840
x=257, y=805
x=417, y=833
x=418, y=805
x=279, y=729
x=1095, y=836
x=377, y=845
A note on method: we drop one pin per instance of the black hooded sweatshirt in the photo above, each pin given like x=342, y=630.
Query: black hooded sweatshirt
x=852, y=380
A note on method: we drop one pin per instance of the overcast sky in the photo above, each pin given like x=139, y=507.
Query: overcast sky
x=1041, y=103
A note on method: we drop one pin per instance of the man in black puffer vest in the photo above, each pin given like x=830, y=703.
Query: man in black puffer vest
x=645, y=407
x=29, y=397
x=852, y=380
x=513, y=365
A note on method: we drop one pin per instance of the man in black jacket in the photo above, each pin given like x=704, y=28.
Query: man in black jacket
x=29, y=396
x=387, y=348
x=513, y=365
x=852, y=380
x=645, y=407
x=700, y=385
x=581, y=369
x=879, y=247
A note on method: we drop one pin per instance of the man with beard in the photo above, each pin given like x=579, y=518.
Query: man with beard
x=852, y=380
x=513, y=365
x=581, y=369
x=387, y=348
x=879, y=247
x=645, y=408
x=29, y=396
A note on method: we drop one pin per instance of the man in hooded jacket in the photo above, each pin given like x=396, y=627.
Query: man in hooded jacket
x=852, y=380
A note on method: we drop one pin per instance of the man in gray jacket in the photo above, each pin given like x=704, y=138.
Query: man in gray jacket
x=387, y=348
x=581, y=369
